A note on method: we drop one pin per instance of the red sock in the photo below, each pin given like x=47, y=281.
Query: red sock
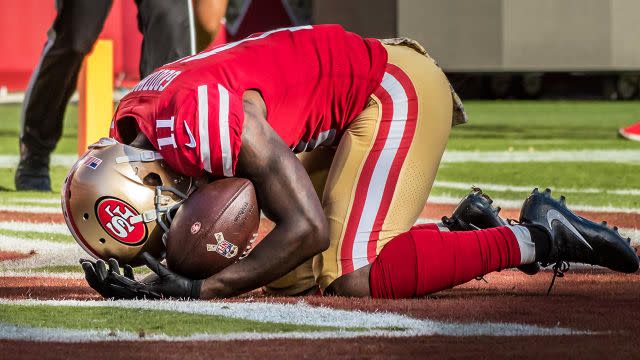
x=421, y=262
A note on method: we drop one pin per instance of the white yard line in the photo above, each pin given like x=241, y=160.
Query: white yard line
x=528, y=188
x=26, y=273
x=452, y=156
x=618, y=156
x=66, y=160
x=31, y=209
x=47, y=253
x=299, y=314
x=49, y=228
x=20, y=200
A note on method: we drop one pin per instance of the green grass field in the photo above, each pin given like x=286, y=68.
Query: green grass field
x=532, y=126
x=498, y=127
x=142, y=321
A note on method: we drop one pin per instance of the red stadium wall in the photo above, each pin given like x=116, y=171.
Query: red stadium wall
x=23, y=28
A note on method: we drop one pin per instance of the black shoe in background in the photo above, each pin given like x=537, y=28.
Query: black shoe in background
x=32, y=173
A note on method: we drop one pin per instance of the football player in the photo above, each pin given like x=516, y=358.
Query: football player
x=372, y=118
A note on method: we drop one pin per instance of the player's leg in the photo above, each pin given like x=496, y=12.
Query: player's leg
x=168, y=29
x=74, y=31
x=384, y=168
x=301, y=280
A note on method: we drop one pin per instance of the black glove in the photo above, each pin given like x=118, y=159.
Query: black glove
x=164, y=284
x=111, y=284
x=170, y=284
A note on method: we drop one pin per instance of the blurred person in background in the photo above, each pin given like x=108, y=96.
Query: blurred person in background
x=168, y=31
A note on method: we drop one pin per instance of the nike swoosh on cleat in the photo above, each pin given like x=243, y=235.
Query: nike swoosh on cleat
x=554, y=214
x=192, y=140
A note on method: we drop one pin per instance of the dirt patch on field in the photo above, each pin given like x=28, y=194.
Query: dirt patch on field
x=596, y=300
x=13, y=255
x=586, y=299
x=45, y=288
x=583, y=347
x=31, y=217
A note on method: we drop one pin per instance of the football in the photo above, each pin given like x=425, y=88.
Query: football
x=214, y=228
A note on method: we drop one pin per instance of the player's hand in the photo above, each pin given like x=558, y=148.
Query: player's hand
x=168, y=283
x=111, y=284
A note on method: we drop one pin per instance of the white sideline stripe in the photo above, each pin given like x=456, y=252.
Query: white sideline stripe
x=516, y=204
x=33, y=200
x=528, y=188
x=31, y=209
x=11, y=161
x=617, y=156
x=450, y=156
x=47, y=253
x=54, y=228
x=381, y=170
x=203, y=127
x=299, y=314
x=43, y=274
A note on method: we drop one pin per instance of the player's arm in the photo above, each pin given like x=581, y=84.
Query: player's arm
x=287, y=197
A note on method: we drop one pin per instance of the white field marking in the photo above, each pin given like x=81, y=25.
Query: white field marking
x=528, y=188
x=66, y=160
x=32, y=209
x=47, y=253
x=51, y=203
x=49, y=228
x=43, y=274
x=451, y=156
x=618, y=156
x=301, y=314
x=516, y=204
x=18, y=200
x=12, y=332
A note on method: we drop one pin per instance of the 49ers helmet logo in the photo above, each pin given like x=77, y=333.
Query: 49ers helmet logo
x=117, y=219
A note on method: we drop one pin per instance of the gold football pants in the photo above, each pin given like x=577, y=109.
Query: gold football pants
x=374, y=185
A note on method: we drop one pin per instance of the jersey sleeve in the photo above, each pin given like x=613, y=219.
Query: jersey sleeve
x=202, y=131
x=219, y=117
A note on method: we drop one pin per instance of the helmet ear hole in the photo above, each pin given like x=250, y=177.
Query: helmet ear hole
x=102, y=240
x=85, y=216
x=152, y=179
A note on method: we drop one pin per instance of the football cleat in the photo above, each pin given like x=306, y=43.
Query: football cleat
x=631, y=132
x=576, y=239
x=476, y=212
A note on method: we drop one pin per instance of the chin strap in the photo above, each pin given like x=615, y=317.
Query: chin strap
x=141, y=156
x=164, y=214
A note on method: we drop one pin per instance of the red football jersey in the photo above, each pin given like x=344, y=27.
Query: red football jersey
x=314, y=81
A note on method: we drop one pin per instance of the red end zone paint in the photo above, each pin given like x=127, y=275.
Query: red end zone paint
x=116, y=218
